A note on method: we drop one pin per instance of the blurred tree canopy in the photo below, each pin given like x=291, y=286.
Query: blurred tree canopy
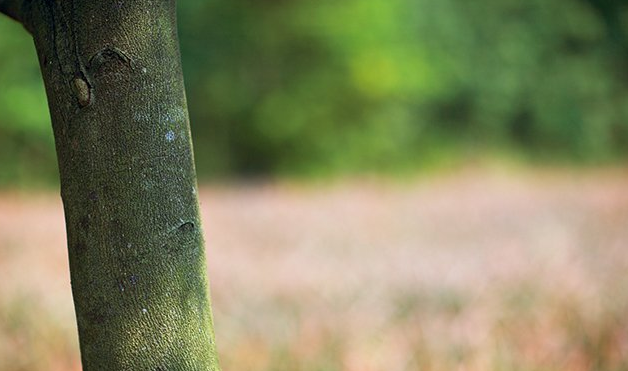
x=322, y=87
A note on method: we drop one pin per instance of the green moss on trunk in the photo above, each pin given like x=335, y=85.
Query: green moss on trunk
x=113, y=78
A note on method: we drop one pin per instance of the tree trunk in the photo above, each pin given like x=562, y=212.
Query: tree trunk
x=115, y=90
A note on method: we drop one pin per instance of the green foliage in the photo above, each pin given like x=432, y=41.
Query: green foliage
x=26, y=143
x=321, y=87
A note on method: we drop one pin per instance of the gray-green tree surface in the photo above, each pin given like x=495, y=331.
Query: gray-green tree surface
x=115, y=89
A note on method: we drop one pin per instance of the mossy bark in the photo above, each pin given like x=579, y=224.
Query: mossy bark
x=115, y=89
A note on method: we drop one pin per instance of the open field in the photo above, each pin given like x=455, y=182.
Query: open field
x=479, y=270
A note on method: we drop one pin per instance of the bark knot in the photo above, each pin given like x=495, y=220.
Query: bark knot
x=186, y=227
x=82, y=91
x=109, y=60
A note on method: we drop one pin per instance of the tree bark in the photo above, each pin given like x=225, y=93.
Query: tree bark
x=12, y=8
x=115, y=90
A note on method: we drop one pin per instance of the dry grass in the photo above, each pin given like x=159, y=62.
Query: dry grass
x=480, y=270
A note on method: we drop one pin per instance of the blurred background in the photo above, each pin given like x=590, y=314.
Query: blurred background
x=385, y=185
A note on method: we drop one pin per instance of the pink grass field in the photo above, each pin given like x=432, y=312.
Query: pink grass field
x=476, y=270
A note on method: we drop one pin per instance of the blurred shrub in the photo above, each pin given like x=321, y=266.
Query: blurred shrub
x=26, y=144
x=319, y=87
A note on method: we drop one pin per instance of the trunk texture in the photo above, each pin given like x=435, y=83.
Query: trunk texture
x=115, y=89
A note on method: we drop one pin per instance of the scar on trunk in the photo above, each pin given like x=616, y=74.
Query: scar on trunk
x=109, y=60
x=82, y=91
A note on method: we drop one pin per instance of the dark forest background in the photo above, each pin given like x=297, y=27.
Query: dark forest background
x=325, y=88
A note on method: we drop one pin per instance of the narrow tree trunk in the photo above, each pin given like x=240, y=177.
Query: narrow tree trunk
x=117, y=102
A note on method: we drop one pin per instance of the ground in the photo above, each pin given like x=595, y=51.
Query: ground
x=474, y=270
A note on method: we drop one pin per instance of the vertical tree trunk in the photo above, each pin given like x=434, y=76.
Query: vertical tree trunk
x=117, y=102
